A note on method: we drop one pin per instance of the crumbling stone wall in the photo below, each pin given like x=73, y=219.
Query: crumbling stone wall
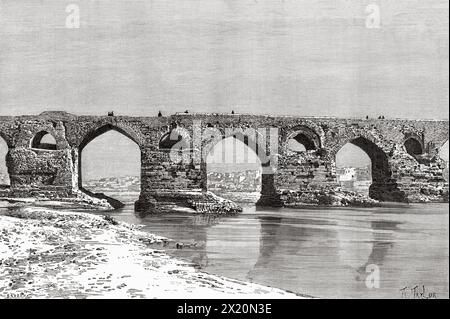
x=36, y=172
x=288, y=177
x=40, y=172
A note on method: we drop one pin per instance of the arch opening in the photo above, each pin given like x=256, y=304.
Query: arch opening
x=366, y=168
x=354, y=169
x=177, y=139
x=413, y=147
x=44, y=141
x=4, y=174
x=109, y=166
x=301, y=143
x=234, y=170
x=295, y=146
x=302, y=140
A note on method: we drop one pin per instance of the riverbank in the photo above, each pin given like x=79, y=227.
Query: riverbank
x=80, y=200
x=320, y=198
x=46, y=253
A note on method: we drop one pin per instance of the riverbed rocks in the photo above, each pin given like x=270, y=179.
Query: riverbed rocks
x=194, y=201
x=327, y=199
x=213, y=204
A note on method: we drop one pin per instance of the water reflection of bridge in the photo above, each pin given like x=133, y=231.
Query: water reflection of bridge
x=300, y=252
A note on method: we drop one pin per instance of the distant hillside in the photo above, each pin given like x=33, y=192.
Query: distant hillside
x=124, y=183
x=228, y=168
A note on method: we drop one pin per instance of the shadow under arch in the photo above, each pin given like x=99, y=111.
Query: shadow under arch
x=305, y=136
x=384, y=186
x=89, y=137
x=37, y=141
x=269, y=195
x=413, y=146
x=176, y=138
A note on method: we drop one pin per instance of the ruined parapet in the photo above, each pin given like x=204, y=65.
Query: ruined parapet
x=419, y=181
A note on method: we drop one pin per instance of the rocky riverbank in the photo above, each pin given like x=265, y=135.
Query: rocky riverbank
x=321, y=198
x=79, y=200
x=51, y=254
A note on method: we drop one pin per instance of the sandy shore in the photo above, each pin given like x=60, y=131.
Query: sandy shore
x=49, y=254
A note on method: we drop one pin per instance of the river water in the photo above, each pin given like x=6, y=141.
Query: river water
x=322, y=252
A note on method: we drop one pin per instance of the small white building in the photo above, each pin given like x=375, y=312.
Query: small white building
x=348, y=174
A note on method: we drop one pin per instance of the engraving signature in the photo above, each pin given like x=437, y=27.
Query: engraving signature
x=417, y=292
x=17, y=295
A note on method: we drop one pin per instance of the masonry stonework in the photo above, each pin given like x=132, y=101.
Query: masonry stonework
x=179, y=178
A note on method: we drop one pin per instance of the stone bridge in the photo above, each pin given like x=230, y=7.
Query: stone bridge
x=404, y=154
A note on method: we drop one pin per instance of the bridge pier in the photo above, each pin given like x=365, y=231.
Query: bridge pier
x=296, y=178
x=269, y=195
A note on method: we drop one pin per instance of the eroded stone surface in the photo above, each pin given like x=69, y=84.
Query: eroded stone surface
x=287, y=177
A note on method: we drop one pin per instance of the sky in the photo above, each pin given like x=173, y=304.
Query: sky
x=277, y=57
x=287, y=57
x=352, y=156
x=112, y=154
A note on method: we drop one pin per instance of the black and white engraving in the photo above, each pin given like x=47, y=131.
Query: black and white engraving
x=224, y=149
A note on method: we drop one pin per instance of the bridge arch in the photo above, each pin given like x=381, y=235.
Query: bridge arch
x=252, y=138
x=103, y=128
x=383, y=187
x=44, y=140
x=176, y=139
x=96, y=132
x=256, y=142
x=305, y=136
x=413, y=145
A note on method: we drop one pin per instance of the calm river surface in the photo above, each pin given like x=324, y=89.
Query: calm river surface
x=319, y=252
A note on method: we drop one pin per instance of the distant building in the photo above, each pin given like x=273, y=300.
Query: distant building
x=346, y=174
x=355, y=179
x=242, y=181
